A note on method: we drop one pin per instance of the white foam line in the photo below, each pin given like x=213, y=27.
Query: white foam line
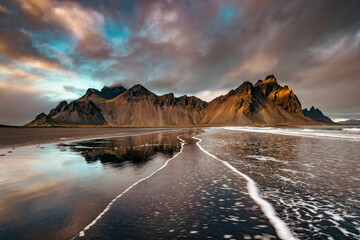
x=298, y=132
x=352, y=129
x=280, y=226
x=82, y=233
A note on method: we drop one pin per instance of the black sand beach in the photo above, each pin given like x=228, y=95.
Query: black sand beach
x=166, y=183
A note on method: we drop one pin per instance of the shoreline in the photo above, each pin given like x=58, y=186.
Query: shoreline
x=18, y=136
x=177, y=126
x=14, y=137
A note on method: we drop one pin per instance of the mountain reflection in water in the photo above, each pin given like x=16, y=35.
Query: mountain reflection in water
x=137, y=150
x=50, y=192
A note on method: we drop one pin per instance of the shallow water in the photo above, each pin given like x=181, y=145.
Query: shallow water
x=156, y=187
x=193, y=197
x=310, y=175
x=52, y=191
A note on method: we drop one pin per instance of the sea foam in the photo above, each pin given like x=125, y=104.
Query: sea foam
x=355, y=129
x=263, y=158
x=280, y=226
x=350, y=135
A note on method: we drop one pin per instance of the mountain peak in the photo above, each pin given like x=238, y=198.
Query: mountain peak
x=268, y=85
x=270, y=78
x=112, y=87
x=265, y=102
x=112, y=91
x=42, y=120
x=105, y=93
x=139, y=89
x=244, y=87
x=41, y=115
x=91, y=91
x=316, y=114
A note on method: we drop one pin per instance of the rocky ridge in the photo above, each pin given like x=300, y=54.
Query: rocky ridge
x=316, y=115
x=265, y=102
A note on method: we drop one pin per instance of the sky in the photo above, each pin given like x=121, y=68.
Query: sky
x=52, y=50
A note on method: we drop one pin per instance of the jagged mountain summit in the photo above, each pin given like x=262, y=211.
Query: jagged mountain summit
x=317, y=115
x=42, y=120
x=140, y=107
x=106, y=93
x=265, y=102
x=136, y=106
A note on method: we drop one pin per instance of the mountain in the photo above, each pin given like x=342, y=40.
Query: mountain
x=42, y=120
x=316, y=115
x=106, y=93
x=350, y=122
x=265, y=102
x=140, y=107
x=78, y=112
x=117, y=106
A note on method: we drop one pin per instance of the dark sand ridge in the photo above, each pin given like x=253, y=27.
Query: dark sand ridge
x=15, y=137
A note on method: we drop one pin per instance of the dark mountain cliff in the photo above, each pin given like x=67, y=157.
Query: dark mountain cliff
x=106, y=93
x=316, y=115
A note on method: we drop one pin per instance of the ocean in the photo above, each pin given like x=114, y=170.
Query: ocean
x=207, y=183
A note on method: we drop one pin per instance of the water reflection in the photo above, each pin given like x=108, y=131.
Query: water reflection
x=50, y=192
x=136, y=150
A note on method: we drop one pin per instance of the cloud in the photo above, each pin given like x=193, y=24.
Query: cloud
x=4, y=10
x=72, y=89
x=18, y=47
x=13, y=72
x=71, y=16
x=161, y=26
x=83, y=24
x=186, y=47
x=78, y=21
x=259, y=63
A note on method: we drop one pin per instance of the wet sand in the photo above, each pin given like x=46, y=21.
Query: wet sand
x=19, y=136
x=193, y=197
x=54, y=191
x=150, y=186
x=220, y=183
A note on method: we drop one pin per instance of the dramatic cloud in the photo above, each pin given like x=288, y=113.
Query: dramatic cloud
x=72, y=89
x=57, y=49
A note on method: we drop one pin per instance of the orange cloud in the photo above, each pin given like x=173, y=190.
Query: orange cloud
x=4, y=10
x=78, y=21
x=18, y=47
x=258, y=63
x=85, y=25
x=16, y=73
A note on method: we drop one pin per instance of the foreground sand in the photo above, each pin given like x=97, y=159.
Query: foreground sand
x=17, y=136
x=148, y=186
